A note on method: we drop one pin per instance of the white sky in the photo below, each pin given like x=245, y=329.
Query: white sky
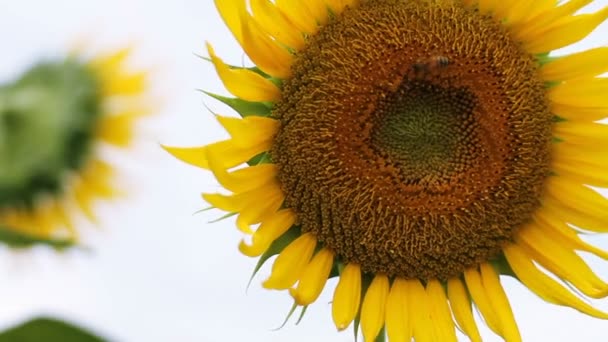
x=158, y=271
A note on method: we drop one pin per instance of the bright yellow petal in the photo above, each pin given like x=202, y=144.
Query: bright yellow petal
x=237, y=202
x=256, y=212
x=481, y=299
x=373, y=308
x=585, y=64
x=500, y=303
x=549, y=17
x=578, y=217
x=299, y=14
x=288, y=266
x=577, y=197
x=245, y=179
x=545, y=287
x=522, y=11
x=229, y=11
x=123, y=85
x=582, y=133
x=420, y=313
x=265, y=52
x=270, y=229
x=440, y=311
x=564, y=234
x=244, y=83
x=249, y=131
x=276, y=24
x=461, y=307
x=318, y=9
x=347, y=296
x=561, y=261
x=398, y=325
x=580, y=112
x=564, y=32
x=313, y=278
x=118, y=129
x=586, y=92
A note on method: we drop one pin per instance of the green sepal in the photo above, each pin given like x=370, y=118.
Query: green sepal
x=381, y=335
x=262, y=158
x=222, y=218
x=501, y=265
x=47, y=329
x=544, y=58
x=15, y=239
x=289, y=314
x=302, y=313
x=244, y=108
x=275, y=248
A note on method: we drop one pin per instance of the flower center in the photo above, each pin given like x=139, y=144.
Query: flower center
x=47, y=119
x=415, y=137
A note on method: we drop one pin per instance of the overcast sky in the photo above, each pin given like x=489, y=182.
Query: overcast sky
x=158, y=271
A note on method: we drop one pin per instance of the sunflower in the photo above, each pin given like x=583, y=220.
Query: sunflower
x=51, y=120
x=417, y=150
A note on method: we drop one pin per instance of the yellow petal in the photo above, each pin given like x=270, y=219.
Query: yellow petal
x=244, y=83
x=288, y=266
x=586, y=92
x=373, y=308
x=398, y=325
x=270, y=229
x=564, y=32
x=236, y=202
x=578, y=197
x=269, y=56
x=522, y=11
x=299, y=14
x=481, y=299
x=541, y=284
x=249, y=131
x=229, y=11
x=117, y=129
x=422, y=323
x=265, y=206
x=500, y=303
x=244, y=179
x=347, y=296
x=276, y=24
x=582, y=133
x=124, y=85
x=461, y=307
x=580, y=112
x=561, y=261
x=564, y=234
x=196, y=156
x=589, y=63
x=583, y=173
x=548, y=17
x=440, y=311
x=318, y=9
x=576, y=217
x=313, y=278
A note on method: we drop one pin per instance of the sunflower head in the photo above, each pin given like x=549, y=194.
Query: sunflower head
x=51, y=119
x=417, y=150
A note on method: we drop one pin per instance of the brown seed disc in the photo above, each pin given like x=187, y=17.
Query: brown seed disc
x=415, y=137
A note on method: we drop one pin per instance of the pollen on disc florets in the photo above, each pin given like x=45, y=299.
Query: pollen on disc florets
x=47, y=119
x=414, y=137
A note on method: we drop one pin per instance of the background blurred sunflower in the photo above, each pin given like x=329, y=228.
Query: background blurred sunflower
x=51, y=120
x=416, y=150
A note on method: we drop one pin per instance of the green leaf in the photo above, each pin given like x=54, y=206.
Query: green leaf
x=244, y=108
x=45, y=329
x=17, y=239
